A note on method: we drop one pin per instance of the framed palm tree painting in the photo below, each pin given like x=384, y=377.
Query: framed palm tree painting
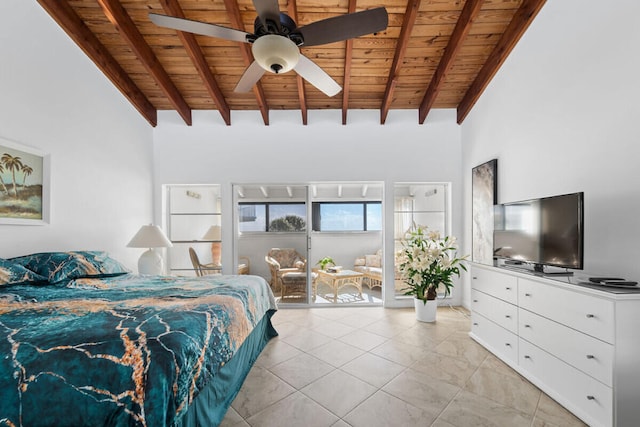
x=24, y=184
x=484, y=187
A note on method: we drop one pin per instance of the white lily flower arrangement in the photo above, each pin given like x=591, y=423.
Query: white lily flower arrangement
x=428, y=261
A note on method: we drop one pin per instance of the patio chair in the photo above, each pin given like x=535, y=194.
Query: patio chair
x=202, y=269
x=288, y=271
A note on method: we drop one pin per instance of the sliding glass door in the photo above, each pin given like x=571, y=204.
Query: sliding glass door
x=285, y=230
x=347, y=224
x=271, y=232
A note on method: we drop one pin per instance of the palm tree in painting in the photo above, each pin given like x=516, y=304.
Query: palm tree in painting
x=26, y=170
x=4, y=187
x=12, y=163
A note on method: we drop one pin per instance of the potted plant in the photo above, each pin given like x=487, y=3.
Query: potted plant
x=426, y=262
x=324, y=262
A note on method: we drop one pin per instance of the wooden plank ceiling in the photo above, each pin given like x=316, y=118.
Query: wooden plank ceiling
x=433, y=54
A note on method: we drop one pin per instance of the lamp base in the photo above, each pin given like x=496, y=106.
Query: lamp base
x=150, y=263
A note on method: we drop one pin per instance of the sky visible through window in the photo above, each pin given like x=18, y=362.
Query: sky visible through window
x=334, y=216
x=349, y=217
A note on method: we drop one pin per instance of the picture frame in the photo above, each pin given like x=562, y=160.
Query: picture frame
x=24, y=184
x=484, y=188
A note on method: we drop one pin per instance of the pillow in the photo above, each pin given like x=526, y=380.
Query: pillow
x=61, y=266
x=299, y=264
x=373, y=261
x=359, y=262
x=16, y=274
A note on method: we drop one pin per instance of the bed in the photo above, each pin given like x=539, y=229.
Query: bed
x=84, y=342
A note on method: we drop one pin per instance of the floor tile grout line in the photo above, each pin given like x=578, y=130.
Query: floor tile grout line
x=400, y=321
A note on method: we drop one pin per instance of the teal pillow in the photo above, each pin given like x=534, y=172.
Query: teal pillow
x=61, y=266
x=16, y=274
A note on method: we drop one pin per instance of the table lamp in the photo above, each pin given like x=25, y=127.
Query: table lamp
x=214, y=233
x=150, y=236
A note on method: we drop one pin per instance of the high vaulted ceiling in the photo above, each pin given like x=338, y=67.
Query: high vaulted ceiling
x=433, y=54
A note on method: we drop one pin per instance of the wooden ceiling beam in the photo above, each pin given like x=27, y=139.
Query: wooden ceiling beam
x=233, y=10
x=292, y=10
x=171, y=7
x=118, y=16
x=71, y=23
x=516, y=28
x=403, y=40
x=460, y=32
x=348, y=55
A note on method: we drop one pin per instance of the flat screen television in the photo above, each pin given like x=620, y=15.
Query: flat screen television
x=542, y=232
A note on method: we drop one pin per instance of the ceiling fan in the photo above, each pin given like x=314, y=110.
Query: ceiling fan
x=276, y=40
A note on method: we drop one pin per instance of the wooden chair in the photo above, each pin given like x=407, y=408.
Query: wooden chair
x=202, y=269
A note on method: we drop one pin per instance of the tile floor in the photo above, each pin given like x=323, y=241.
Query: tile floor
x=370, y=366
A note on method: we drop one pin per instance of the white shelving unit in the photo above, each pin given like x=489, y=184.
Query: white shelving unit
x=191, y=211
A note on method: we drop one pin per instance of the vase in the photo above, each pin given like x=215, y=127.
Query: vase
x=425, y=312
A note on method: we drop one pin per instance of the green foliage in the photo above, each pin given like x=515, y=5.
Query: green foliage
x=288, y=223
x=324, y=262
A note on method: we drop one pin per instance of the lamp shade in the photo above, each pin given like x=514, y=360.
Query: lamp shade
x=150, y=236
x=275, y=53
x=213, y=233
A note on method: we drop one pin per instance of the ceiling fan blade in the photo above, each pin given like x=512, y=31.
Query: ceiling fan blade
x=344, y=27
x=250, y=77
x=315, y=75
x=268, y=9
x=197, y=27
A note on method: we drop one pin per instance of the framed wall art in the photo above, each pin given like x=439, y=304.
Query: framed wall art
x=24, y=184
x=484, y=187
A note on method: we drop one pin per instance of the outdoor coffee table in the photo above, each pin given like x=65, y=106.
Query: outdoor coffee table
x=338, y=280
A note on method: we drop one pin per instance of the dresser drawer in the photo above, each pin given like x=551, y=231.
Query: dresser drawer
x=494, y=283
x=498, y=340
x=497, y=310
x=586, y=313
x=584, y=396
x=590, y=355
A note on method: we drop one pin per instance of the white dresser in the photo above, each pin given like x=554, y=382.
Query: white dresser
x=579, y=344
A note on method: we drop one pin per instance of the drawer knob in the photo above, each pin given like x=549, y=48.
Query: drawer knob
x=527, y=326
x=475, y=300
x=475, y=323
x=527, y=295
x=527, y=357
x=507, y=316
x=590, y=316
x=590, y=356
x=508, y=288
x=591, y=398
x=475, y=277
x=507, y=344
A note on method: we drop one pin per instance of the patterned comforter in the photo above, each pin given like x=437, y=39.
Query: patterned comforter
x=126, y=350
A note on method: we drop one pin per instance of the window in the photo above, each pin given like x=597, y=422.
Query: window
x=272, y=217
x=347, y=216
x=420, y=204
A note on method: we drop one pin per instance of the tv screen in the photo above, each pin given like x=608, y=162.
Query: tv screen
x=545, y=231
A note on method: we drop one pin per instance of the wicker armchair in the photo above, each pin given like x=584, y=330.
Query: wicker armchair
x=288, y=271
x=244, y=265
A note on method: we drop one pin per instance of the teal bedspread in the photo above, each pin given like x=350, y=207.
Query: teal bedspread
x=127, y=350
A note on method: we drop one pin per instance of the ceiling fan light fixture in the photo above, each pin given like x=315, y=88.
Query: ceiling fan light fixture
x=276, y=54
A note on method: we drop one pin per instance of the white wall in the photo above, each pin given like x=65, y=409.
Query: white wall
x=324, y=150
x=53, y=98
x=562, y=116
